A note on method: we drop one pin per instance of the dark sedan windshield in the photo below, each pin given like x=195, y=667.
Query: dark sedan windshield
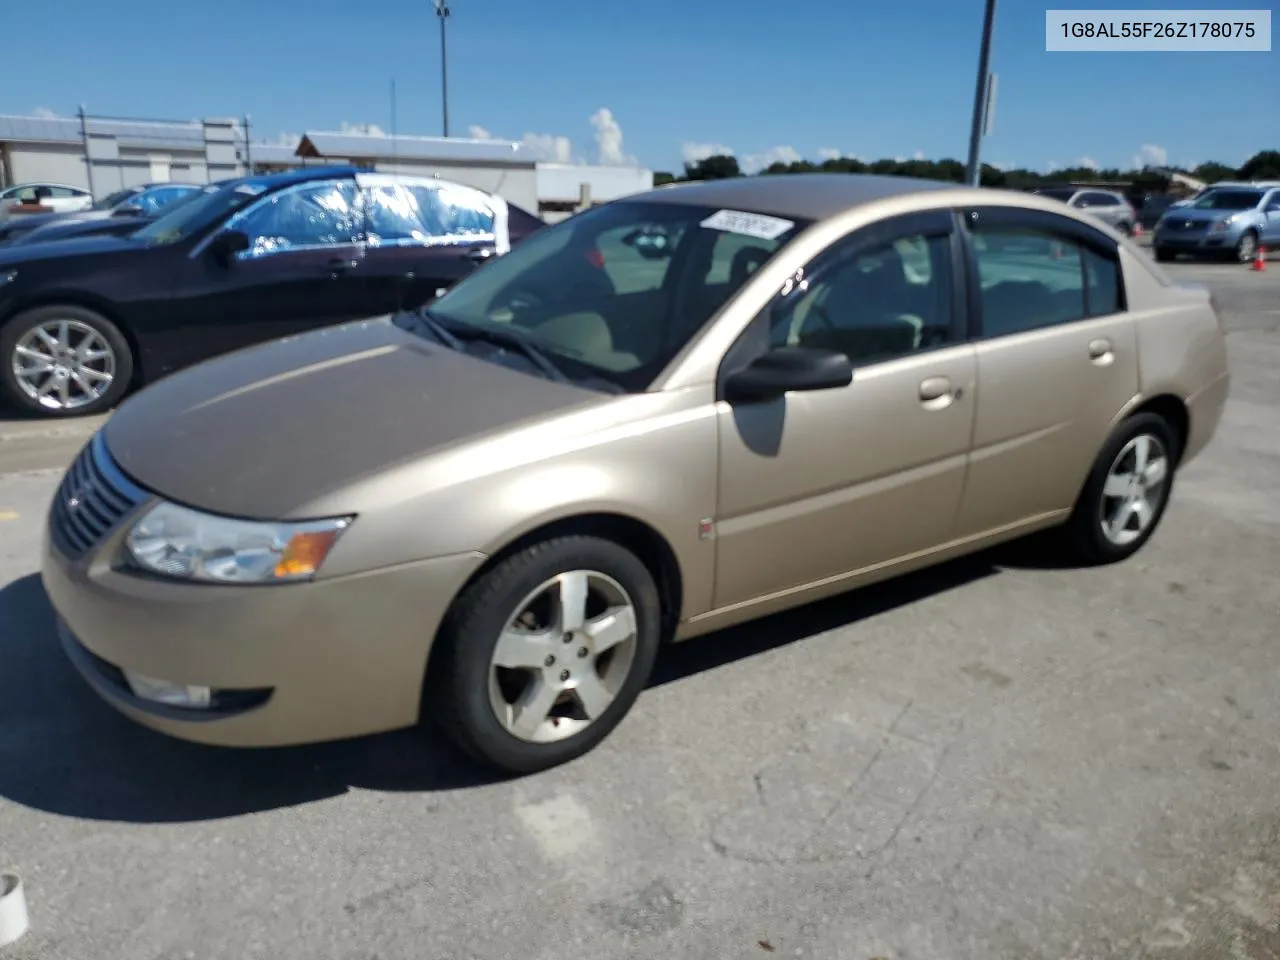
x=1227, y=200
x=203, y=210
x=616, y=292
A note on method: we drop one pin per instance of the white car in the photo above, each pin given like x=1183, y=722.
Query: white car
x=44, y=198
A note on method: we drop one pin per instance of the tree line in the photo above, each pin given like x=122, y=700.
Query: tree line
x=1264, y=165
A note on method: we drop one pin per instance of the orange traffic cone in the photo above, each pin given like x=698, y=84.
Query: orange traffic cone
x=1260, y=259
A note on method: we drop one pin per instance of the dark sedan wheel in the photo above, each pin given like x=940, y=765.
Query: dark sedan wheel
x=542, y=656
x=1127, y=491
x=63, y=361
x=1247, y=247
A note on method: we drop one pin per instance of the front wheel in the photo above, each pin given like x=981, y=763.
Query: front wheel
x=1127, y=491
x=1246, y=247
x=542, y=657
x=63, y=361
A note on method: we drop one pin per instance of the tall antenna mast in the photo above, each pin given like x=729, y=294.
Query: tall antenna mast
x=442, y=13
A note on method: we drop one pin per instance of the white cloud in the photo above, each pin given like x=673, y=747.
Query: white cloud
x=541, y=146
x=829, y=153
x=1052, y=165
x=693, y=152
x=1089, y=162
x=755, y=162
x=476, y=132
x=44, y=113
x=609, y=140
x=918, y=155
x=1151, y=155
x=899, y=159
x=362, y=129
x=1003, y=164
x=284, y=139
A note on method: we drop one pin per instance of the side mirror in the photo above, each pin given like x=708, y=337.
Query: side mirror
x=785, y=369
x=228, y=243
x=127, y=210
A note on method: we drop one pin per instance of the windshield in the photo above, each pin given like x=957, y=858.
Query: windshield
x=1227, y=200
x=182, y=220
x=616, y=292
x=112, y=200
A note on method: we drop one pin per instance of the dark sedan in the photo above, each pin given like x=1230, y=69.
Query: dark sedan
x=84, y=320
x=117, y=212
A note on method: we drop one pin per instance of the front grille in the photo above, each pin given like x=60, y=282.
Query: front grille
x=93, y=497
x=1186, y=226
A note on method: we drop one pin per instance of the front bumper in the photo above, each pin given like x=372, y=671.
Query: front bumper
x=1191, y=241
x=297, y=663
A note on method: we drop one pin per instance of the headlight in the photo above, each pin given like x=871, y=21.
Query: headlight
x=1221, y=225
x=178, y=542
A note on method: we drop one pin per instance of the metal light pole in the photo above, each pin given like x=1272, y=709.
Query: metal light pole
x=980, y=95
x=442, y=12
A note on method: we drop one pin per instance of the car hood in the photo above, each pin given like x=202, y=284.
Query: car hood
x=95, y=245
x=265, y=431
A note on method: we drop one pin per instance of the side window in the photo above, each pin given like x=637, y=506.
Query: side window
x=1102, y=278
x=465, y=214
x=62, y=193
x=873, y=303
x=315, y=215
x=1029, y=279
x=1102, y=200
x=394, y=214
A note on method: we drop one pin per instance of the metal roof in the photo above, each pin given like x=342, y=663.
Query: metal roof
x=451, y=149
x=810, y=196
x=272, y=153
x=129, y=133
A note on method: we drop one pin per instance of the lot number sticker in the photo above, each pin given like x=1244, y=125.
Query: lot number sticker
x=755, y=225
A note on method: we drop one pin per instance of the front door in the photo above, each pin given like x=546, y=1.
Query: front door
x=303, y=270
x=820, y=485
x=1271, y=229
x=1057, y=361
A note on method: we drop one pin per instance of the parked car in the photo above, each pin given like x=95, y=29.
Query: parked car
x=133, y=203
x=30, y=199
x=1110, y=207
x=1229, y=219
x=497, y=508
x=119, y=225
x=1154, y=207
x=84, y=320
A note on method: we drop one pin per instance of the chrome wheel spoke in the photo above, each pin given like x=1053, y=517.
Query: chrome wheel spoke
x=1137, y=480
x=1117, y=485
x=1142, y=511
x=615, y=627
x=531, y=711
x=1155, y=473
x=520, y=650
x=573, y=601
x=592, y=695
x=64, y=364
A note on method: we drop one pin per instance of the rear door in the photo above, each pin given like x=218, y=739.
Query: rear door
x=423, y=237
x=831, y=483
x=1056, y=358
x=302, y=271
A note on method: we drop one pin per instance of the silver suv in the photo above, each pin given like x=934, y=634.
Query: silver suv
x=1108, y=206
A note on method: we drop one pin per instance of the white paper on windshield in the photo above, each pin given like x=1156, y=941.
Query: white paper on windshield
x=756, y=225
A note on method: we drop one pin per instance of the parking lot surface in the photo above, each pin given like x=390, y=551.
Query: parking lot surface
x=999, y=758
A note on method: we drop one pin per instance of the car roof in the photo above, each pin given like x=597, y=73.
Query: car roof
x=809, y=196
x=273, y=181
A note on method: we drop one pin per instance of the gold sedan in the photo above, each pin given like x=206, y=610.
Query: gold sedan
x=666, y=415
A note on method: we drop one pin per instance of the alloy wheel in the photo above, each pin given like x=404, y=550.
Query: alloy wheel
x=1134, y=491
x=63, y=364
x=563, y=657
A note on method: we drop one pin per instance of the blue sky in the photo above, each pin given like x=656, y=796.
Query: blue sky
x=669, y=79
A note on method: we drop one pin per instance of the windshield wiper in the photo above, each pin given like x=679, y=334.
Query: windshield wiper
x=437, y=329
x=509, y=338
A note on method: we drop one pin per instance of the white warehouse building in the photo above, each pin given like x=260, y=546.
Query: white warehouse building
x=104, y=155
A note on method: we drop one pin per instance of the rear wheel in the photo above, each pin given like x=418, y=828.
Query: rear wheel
x=1127, y=491
x=63, y=361
x=542, y=657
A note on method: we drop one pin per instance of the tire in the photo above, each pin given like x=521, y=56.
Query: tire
x=465, y=693
x=86, y=393
x=1246, y=247
x=1164, y=255
x=1086, y=537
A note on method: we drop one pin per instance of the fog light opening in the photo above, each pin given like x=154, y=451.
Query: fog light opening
x=169, y=694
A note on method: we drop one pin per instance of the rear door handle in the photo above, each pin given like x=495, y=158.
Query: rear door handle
x=342, y=265
x=481, y=255
x=1100, y=349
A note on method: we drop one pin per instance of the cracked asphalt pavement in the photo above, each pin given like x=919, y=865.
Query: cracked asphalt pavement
x=994, y=759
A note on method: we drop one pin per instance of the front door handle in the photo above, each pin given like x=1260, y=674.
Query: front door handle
x=937, y=392
x=481, y=255
x=1100, y=350
x=342, y=265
